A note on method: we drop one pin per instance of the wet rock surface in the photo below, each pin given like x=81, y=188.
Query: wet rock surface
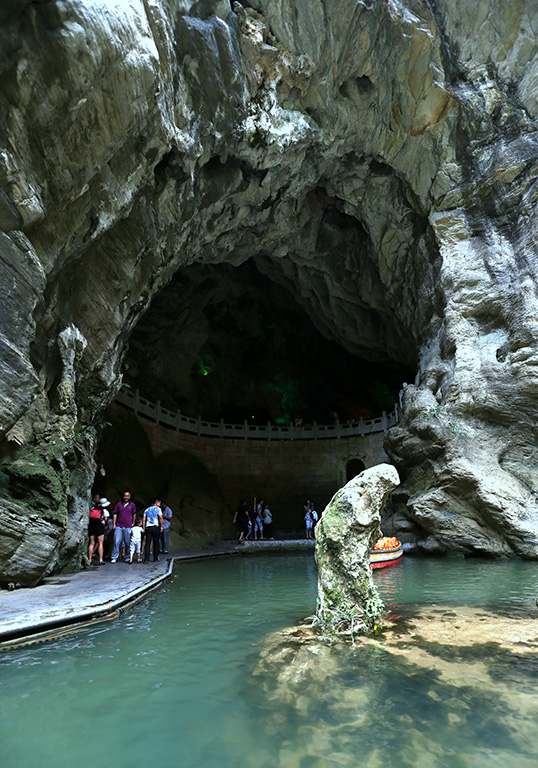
x=378, y=160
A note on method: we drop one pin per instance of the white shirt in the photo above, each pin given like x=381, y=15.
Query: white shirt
x=136, y=534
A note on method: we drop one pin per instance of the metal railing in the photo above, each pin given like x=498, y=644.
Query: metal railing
x=176, y=420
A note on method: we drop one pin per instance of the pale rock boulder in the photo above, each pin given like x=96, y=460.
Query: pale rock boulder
x=346, y=534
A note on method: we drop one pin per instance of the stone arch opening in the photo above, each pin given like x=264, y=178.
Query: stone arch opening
x=291, y=314
x=354, y=468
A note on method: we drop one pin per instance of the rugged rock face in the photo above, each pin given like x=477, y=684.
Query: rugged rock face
x=345, y=536
x=377, y=159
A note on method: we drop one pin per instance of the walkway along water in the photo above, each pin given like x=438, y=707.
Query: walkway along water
x=67, y=602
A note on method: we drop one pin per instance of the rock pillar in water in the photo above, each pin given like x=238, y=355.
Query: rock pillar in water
x=347, y=532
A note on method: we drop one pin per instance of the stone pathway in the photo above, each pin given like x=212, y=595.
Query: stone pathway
x=73, y=599
x=277, y=545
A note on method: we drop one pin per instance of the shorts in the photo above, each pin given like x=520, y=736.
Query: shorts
x=96, y=527
x=135, y=547
x=308, y=525
x=258, y=526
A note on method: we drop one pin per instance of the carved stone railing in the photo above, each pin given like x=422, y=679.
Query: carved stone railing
x=176, y=420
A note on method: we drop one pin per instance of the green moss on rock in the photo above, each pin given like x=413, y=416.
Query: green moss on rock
x=348, y=602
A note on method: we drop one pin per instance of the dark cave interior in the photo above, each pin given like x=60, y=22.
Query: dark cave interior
x=228, y=342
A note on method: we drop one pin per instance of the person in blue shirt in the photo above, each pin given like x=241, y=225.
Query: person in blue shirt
x=167, y=521
x=152, y=524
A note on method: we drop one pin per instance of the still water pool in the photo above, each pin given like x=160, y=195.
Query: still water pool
x=198, y=675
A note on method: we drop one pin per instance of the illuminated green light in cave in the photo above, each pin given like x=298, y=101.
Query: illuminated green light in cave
x=203, y=366
x=286, y=391
x=383, y=394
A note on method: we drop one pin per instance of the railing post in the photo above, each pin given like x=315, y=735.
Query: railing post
x=199, y=426
x=268, y=430
x=361, y=426
x=158, y=412
x=245, y=429
x=137, y=401
x=178, y=419
x=222, y=427
x=384, y=421
x=315, y=430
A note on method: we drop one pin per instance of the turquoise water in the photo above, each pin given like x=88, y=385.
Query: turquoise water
x=178, y=679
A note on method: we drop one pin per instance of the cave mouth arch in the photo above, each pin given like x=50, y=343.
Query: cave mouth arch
x=229, y=342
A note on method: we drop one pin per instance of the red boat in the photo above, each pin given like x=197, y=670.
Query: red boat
x=387, y=551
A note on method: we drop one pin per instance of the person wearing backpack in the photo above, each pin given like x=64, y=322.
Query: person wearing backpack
x=96, y=528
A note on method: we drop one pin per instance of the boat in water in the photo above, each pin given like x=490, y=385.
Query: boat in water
x=387, y=551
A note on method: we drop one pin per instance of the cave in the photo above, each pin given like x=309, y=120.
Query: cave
x=365, y=178
x=229, y=342
x=232, y=344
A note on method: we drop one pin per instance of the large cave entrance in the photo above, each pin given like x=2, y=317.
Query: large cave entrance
x=234, y=344
x=281, y=299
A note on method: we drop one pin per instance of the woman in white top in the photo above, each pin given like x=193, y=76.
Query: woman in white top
x=267, y=518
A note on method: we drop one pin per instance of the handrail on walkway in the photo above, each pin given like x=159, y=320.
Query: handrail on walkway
x=176, y=420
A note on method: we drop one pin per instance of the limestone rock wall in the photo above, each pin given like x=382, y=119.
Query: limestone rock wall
x=378, y=159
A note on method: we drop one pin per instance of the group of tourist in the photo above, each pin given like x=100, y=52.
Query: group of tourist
x=253, y=523
x=129, y=534
x=256, y=523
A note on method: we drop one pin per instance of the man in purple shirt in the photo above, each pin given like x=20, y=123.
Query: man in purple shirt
x=122, y=521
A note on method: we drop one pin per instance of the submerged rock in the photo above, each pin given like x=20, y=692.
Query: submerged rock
x=438, y=675
x=347, y=598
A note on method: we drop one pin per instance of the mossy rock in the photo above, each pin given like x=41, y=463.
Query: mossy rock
x=37, y=483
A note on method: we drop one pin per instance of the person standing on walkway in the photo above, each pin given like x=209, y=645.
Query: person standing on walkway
x=152, y=523
x=309, y=520
x=241, y=520
x=122, y=522
x=315, y=518
x=267, y=518
x=167, y=522
x=96, y=528
x=259, y=519
x=136, y=540
x=255, y=522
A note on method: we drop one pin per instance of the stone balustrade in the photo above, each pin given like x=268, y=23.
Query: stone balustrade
x=176, y=420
